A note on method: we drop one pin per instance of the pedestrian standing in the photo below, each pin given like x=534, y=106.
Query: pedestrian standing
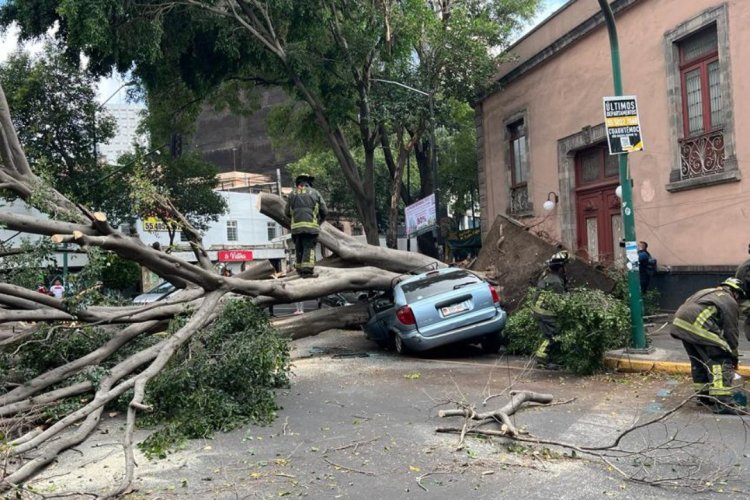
x=707, y=326
x=57, y=289
x=307, y=211
x=553, y=280
x=646, y=265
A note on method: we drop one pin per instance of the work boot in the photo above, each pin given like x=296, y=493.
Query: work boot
x=546, y=365
x=703, y=399
x=728, y=407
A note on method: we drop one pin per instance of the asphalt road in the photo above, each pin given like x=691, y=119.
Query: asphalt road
x=359, y=422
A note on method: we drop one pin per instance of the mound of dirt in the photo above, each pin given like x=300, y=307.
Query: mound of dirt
x=516, y=257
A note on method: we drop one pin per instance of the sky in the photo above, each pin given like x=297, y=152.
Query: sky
x=547, y=7
x=110, y=88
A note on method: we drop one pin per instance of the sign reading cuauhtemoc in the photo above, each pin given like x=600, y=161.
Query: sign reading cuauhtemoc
x=623, y=125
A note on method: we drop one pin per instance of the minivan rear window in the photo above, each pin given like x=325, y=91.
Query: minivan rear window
x=438, y=283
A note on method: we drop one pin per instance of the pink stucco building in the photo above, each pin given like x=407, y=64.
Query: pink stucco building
x=541, y=131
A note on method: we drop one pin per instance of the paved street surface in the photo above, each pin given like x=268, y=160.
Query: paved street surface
x=359, y=422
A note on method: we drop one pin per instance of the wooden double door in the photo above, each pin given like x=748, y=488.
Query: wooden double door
x=598, y=216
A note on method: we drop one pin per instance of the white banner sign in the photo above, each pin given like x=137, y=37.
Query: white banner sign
x=420, y=215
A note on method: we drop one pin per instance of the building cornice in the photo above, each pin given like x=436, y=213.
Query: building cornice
x=565, y=41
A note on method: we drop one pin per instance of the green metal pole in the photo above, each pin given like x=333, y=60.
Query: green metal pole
x=638, y=337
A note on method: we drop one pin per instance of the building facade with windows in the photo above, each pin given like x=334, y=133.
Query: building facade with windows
x=542, y=136
x=127, y=119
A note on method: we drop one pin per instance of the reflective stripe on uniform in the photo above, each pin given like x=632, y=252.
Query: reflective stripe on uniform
x=541, y=352
x=700, y=321
x=702, y=333
x=542, y=311
x=307, y=225
x=717, y=387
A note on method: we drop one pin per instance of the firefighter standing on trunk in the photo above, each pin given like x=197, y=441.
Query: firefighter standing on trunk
x=707, y=325
x=553, y=280
x=306, y=211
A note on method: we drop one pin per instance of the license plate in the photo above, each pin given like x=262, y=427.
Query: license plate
x=455, y=308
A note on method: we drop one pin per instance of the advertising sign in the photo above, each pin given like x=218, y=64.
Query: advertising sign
x=235, y=255
x=623, y=125
x=154, y=225
x=420, y=215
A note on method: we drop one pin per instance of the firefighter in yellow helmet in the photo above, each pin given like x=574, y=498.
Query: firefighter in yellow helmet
x=306, y=211
x=707, y=325
x=553, y=280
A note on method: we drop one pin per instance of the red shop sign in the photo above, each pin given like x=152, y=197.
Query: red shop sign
x=235, y=255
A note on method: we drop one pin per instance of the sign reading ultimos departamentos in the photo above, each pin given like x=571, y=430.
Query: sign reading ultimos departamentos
x=623, y=126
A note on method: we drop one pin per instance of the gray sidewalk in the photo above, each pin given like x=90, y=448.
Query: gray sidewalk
x=668, y=354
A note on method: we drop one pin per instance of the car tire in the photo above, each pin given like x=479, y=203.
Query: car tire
x=398, y=345
x=492, y=343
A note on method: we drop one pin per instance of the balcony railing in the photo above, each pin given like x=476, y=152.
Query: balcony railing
x=702, y=155
x=519, y=200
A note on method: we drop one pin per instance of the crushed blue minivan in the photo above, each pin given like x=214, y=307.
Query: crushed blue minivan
x=436, y=308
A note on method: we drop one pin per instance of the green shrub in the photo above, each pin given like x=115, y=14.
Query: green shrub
x=224, y=378
x=590, y=321
x=521, y=332
x=651, y=302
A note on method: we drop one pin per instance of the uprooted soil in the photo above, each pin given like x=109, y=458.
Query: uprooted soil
x=516, y=257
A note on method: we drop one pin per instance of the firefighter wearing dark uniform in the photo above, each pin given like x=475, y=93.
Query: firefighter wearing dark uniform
x=306, y=211
x=553, y=280
x=707, y=326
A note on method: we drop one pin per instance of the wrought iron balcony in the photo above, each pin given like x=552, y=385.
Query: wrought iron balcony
x=702, y=155
x=519, y=200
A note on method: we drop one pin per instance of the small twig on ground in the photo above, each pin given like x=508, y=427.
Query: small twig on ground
x=355, y=444
x=343, y=467
x=427, y=474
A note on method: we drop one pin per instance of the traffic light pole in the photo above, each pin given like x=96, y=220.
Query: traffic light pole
x=638, y=337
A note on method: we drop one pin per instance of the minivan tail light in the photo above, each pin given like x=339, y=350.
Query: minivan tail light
x=406, y=316
x=495, y=295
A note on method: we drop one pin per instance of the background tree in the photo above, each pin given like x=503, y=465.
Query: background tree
x=53, y=103
x=328, y=54
x=158, y=185
x=458, y=161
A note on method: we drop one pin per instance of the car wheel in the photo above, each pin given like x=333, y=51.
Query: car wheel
x=398, y=344
x=492, y=343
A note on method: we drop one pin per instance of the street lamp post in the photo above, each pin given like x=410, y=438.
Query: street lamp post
x=433, y=154
x=638, y=338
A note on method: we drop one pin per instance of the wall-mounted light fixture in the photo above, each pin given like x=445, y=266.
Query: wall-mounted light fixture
x=552, y=200
x=618, y=192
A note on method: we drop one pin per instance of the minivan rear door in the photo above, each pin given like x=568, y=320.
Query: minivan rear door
x=445, y=301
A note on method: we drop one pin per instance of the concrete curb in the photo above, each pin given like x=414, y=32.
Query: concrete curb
x=625, y=363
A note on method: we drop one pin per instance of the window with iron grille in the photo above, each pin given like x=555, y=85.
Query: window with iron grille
x=518, y=163
x=701, y=101
x=231, y=230
x=699, y=75
x=519, y=157
x=271, y=230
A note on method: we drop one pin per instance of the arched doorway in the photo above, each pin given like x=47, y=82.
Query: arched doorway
x=598, y=217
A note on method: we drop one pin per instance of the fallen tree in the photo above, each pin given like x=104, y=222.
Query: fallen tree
x=31, y=448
